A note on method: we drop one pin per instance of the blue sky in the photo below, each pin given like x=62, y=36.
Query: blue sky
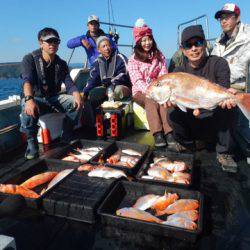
x=20, y=20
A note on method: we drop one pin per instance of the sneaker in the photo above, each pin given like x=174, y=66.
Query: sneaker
x=159, y=140
x=227, y=163
x=32, y=149
x=179, y=148
x=170, y=138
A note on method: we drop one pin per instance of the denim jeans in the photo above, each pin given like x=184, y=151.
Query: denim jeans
x=61, y=103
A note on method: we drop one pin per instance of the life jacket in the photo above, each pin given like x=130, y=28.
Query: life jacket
x=40, y=88
x=104, y=72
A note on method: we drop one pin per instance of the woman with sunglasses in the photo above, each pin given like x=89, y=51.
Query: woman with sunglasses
x=146, y=64
x=217, y=124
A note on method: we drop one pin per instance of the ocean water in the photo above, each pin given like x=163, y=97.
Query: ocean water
x=9, y=86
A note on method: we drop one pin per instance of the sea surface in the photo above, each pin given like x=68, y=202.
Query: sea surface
x=9, y=86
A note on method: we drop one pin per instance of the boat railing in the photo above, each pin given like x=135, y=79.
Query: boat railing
x=195, y=21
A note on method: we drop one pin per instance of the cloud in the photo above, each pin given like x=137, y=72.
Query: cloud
x=15, y=40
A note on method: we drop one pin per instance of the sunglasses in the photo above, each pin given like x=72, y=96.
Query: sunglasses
x=197, y=43
x=53, y=40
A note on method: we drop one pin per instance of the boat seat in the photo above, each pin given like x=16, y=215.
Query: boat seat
x=140, y=118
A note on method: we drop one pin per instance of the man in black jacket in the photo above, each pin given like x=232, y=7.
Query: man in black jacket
x=197, y=124
x=43, y=73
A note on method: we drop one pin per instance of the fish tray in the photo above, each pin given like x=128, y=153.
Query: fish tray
x=82, y=144
x=143, y=149
x=125, y=194
x=39, y=166
x=187, y=158
x=78, y=197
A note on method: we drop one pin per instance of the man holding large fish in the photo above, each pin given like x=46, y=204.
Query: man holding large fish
x=201, y=88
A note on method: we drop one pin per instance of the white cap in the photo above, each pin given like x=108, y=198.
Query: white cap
x=93, y=18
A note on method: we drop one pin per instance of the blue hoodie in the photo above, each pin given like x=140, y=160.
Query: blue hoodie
x=92, y=53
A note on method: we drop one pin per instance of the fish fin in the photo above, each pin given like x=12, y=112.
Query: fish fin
x=181, y=107
x=243, y=102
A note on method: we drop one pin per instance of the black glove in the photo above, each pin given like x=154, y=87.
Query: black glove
x=106, y=82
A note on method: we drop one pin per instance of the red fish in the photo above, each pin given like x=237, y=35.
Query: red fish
x=181, y=222
x=192, y=215
x=38, y=179
x=138, y=214
x=16, y=189
x=85, y=167
x=190, y=91
x=180, y=206
x=113, y=159
x=164, y=201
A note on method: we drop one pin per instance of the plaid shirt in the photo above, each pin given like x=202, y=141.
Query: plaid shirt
x=142, y=73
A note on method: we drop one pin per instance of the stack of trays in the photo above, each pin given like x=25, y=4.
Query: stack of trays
x=77, y=197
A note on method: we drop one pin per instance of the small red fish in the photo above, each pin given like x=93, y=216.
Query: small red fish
x=85, y=167
x=113, y=159
x=181, y=222
x=138, y=214
x=16, y=189
x=164, y=201
x=192, y=215
x=180, y=206
x=38, y=179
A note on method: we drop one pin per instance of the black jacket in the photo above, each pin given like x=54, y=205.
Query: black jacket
x=46, y=79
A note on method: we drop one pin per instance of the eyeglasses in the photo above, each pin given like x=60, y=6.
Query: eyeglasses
x=197, y=43
x=53, y=40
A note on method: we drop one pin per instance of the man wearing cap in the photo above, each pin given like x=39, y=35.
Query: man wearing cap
x=43, y=73
x=108, y=71
x=233, y=44
x=88, y=41
x=203, y=124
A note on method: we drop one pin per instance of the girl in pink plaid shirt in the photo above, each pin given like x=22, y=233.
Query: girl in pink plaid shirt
x=146, y=64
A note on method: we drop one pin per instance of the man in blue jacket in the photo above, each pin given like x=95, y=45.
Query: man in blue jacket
x=108, y=71
x=88, y=41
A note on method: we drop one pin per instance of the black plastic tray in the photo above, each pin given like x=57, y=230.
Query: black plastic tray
x=125, y=194
x=37, y=168
x=143, y=149
x=78, y=197
x=187, y=158
x=63, y=151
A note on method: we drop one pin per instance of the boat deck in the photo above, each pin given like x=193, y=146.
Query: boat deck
x=226, y=215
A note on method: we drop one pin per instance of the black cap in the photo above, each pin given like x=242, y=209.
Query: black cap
x=190, y=32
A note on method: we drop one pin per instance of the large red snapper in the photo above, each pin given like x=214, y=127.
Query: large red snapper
x=190, y=91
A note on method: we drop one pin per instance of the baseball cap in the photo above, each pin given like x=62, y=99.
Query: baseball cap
x=93, y=18
x=228, y=8
x=190, y=32
x=50, y=36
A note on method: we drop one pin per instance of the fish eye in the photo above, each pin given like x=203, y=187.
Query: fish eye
x=158, y=84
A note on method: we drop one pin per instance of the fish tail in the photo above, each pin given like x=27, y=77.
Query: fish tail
x=243, y=102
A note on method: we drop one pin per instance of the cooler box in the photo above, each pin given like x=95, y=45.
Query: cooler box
x=51, y=127
x=140, y=118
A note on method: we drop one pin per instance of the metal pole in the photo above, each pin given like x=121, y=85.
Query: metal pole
x=71, y=56
x=118, y=25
